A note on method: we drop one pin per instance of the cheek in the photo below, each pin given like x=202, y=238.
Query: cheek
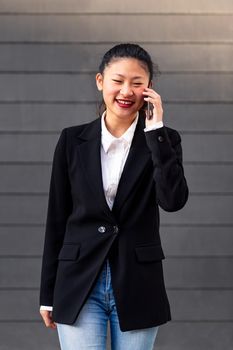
x=140, y=95
x=110, y=90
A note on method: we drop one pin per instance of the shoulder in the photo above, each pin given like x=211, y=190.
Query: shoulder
x=72, y=133
x=74, y=130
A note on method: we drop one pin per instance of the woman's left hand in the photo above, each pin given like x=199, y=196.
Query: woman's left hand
x=154, y=98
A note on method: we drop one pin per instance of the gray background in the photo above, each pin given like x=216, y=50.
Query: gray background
x=49, y=54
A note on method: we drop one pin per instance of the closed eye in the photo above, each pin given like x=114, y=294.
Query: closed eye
x=117, y=81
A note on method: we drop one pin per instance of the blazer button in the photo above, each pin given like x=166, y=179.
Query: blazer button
x=160, y=138
x=102, y=229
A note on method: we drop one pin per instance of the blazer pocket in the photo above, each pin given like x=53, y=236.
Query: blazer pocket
x=69, y=252
x=149, y=253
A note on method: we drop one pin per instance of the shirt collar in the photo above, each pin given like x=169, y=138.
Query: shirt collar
x=107, y=138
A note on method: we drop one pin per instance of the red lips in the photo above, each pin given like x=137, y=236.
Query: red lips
x=124, y=103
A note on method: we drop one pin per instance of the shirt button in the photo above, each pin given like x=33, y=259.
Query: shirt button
x=102, y=229
x=160, y=138
x=115, y=229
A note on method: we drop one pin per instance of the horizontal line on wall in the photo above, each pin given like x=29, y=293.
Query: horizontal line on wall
x=28, y=321
x=20, y=257
x=27, y=163
x=18, y=289
x=57, y=132
x=34, y=163
x=198, y=225
x=206, y=132
x=90, y=72
x=62, y=42
x=26, y=225
x=202, y=321
x=199, y=257
x=97, y=43
x=125, y=14
x=58, y=102
x=22, y=320
x=206, y=162
x=174, y=257
x=45, y=194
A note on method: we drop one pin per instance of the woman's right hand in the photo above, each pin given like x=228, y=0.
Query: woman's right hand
x=47, y=318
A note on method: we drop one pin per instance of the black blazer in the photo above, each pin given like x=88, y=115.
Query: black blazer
x=81, y=230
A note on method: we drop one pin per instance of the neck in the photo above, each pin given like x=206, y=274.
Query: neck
x=117, y=126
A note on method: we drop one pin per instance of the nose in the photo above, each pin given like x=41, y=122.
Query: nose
x=126, y=90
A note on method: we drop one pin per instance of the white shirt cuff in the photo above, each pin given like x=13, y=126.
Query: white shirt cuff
x=155, y=126
x=48, y=308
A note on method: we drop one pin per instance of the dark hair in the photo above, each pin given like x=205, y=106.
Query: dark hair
x=128, y=50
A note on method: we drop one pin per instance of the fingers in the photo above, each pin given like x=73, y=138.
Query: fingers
x=47, y=318
x=153, y=97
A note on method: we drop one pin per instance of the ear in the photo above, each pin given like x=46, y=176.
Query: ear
x=99, y=81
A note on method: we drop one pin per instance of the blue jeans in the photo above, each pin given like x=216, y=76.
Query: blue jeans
x=90, y=329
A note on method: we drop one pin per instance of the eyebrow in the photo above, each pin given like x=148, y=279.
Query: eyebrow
x=121, y=75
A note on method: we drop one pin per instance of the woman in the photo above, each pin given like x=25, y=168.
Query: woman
x=102, y=255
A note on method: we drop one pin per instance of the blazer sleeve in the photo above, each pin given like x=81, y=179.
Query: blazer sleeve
x=171, y=186
x=59, y=208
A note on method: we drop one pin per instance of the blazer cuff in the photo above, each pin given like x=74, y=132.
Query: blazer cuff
x=155, y=126
x=161, y=146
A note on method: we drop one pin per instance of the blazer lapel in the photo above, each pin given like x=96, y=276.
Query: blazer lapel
x=138, y=157
x=89, y=153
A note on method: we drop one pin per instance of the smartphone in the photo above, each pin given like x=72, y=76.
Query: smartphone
x=148, y=108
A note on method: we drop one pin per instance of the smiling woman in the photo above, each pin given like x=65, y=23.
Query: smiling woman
x=102, y=256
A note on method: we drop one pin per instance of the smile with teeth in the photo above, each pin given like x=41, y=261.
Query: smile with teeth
x=125, y=102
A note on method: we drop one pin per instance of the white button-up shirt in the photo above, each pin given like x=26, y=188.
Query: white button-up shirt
x=114, y=151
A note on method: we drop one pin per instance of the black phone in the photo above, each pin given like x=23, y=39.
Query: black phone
x=148, y=108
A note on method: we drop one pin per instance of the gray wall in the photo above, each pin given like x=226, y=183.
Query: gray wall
x=49, y=51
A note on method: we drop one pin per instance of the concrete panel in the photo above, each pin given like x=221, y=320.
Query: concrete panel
x=198, y=210
x=204, y=209
x=197, y=241
x=27, y=147
x=40, y=148
x=202, y=305
x=202, y=178
x=18, y=241
x=45, y=117
x=27, y=336
x=197, y=305
x=198, y=273
x=195, y=336
x=178, y=241
x=102, y=28
x=199, y=117
x=99, y=6
x=23, y=209
x=209, y=178
x=30, y=178
x=54, y=117
x=86, y=58
x=187, y=273
x=82, y=88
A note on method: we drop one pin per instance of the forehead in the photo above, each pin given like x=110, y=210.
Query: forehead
x=127, y=67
